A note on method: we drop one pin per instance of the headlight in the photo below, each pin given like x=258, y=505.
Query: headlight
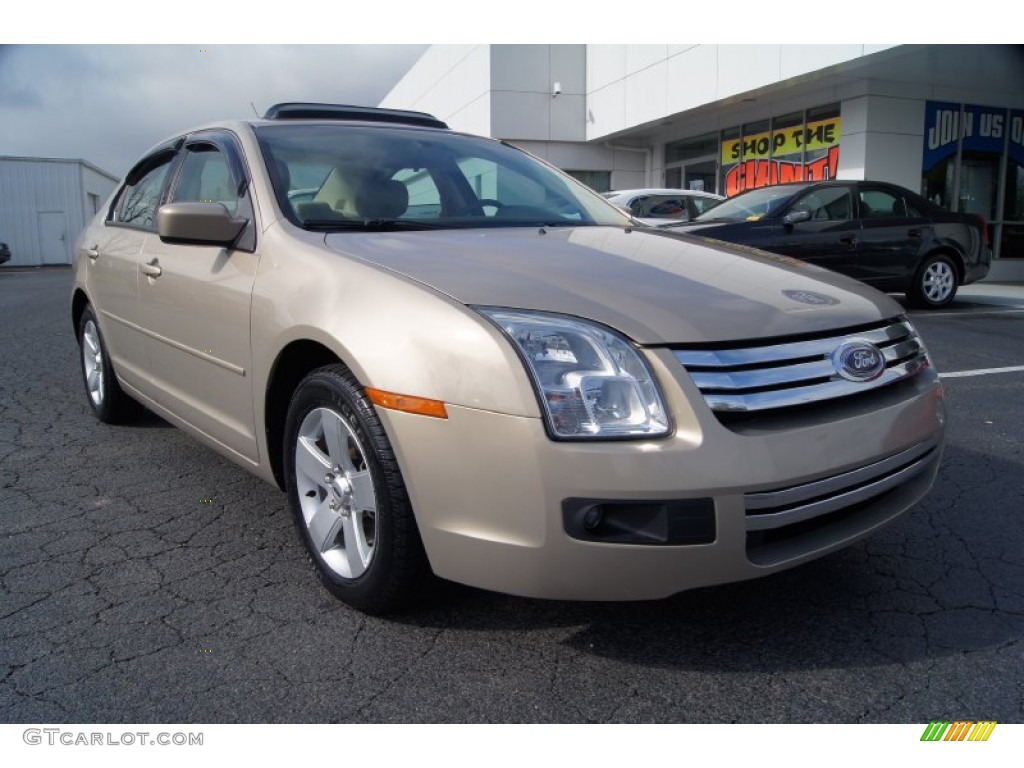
x=590, y=381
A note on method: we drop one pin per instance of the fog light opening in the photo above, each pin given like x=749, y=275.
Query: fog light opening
x=593, y=518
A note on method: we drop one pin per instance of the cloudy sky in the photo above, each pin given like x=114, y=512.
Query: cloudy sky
x=109, y=103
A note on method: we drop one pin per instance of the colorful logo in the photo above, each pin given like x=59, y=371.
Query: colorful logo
x=960, y=730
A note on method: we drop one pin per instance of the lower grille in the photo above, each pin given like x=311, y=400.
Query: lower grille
x=788, y=522
x=775, y=509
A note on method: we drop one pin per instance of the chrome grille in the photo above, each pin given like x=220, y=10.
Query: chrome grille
x=783, y=375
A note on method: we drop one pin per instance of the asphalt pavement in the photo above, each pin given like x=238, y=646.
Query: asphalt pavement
x=143, y=578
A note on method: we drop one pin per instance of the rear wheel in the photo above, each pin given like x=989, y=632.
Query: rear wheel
x=108, y=401
x=348, y=496
x=935, y=283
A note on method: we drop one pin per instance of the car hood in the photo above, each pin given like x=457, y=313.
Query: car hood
x=706, y=228
x=653, y=286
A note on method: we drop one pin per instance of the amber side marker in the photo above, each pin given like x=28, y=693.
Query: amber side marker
x=407, y=403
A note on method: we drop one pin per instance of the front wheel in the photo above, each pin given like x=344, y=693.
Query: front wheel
x=347, y=494
x=108, y=401
x=934, y=283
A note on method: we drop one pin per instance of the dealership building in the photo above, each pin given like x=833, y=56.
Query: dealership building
x=947, y=121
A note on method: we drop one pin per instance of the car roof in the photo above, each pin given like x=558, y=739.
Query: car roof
x=660, y=191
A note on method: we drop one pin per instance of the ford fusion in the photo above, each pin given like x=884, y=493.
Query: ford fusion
x=457, y=360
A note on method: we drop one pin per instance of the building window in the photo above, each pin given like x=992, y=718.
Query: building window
x=94, y=202
x=797, y=146
x=972, y=163
x=599, y=181
x=692, y=163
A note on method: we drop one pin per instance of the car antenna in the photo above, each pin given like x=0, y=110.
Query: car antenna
x=254, y=110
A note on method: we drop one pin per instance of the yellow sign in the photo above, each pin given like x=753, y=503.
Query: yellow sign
x=820, y=134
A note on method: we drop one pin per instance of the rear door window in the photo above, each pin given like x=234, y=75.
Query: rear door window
x=881, y=204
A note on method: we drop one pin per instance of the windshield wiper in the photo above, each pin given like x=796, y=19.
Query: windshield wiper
x=370, y=225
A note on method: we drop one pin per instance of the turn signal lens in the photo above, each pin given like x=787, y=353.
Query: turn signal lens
x=407, y=403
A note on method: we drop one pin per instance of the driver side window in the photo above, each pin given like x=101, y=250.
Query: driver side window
x=205, y=178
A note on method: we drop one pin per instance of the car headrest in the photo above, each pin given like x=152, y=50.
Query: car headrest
x=382, y=200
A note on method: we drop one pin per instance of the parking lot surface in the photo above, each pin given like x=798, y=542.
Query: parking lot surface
x=143, y=578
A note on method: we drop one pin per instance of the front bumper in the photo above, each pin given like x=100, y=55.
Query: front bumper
x=490, y=491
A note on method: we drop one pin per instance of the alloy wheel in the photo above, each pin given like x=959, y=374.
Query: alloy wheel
x=92, y=360
x=336, y=492
x=938, y=281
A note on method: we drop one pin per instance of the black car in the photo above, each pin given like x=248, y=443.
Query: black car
x=881, y=234
x=5, y=253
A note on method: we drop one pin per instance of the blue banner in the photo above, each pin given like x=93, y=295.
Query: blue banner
x=983, y=129
x=1017, y=136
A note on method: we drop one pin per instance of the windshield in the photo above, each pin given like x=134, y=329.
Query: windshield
x=346, y=176
x=753, y=204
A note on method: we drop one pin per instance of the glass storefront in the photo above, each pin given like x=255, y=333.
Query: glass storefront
x=599, y=181
x=791, y=147
x=691, y=163
x=973, y=162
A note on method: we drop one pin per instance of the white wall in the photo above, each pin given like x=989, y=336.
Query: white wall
x=523, y=103
x=629, y=85
x=452, y=82
x=505, y=91
x=627, y=167
x=37, y=194
x=99, y=184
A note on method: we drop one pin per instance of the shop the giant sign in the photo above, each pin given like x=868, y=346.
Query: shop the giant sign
x=800, y=153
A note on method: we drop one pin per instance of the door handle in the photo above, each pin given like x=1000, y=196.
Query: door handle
x=916, y=232
x=848, y=239
x=152, y=269
x=93, y=253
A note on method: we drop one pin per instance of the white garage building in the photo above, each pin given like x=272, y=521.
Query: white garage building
x=44, y=205
x=947, y=121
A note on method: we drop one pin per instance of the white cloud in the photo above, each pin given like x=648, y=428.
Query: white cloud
x=108, y=104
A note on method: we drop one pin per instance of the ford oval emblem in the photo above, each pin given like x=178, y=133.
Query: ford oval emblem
x=811, y=297
x=858, y=360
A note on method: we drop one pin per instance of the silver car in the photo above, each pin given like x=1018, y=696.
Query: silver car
x=659, y=207
x=456, y=359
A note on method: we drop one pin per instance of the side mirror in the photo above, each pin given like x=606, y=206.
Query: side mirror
x=795, y=217
x=198, y=223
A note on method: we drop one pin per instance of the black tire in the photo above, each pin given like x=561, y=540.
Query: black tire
x=374, y=561
x=108, y=401
x=935, y=283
